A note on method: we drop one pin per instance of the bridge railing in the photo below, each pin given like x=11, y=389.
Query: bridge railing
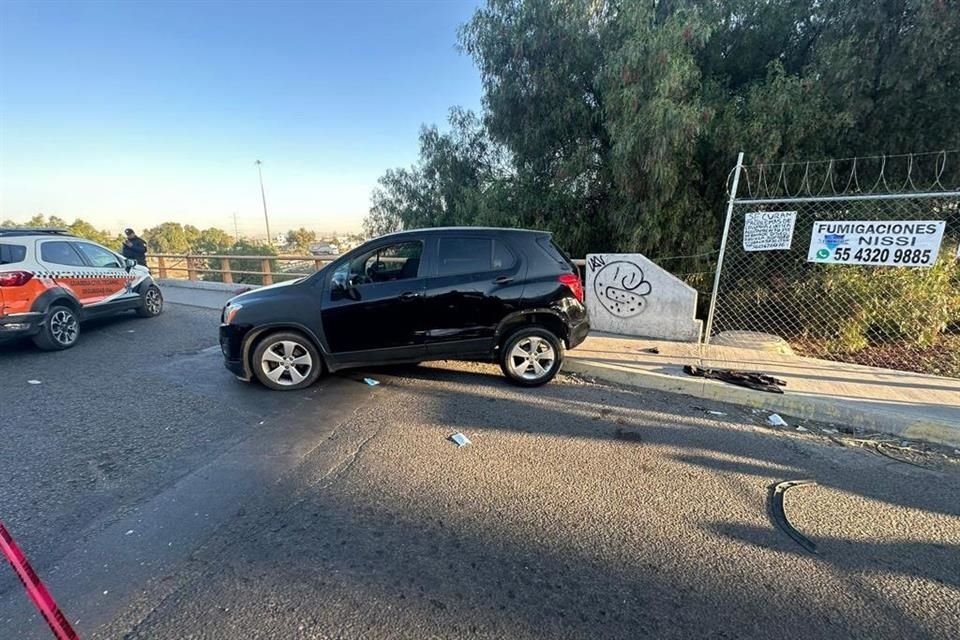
x=237, y=268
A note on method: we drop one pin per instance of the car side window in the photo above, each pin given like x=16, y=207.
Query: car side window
x=60, y=252
x=464, y=255
x=12, y=253
x=400, y=261
x=503, y=258
x=98, y=256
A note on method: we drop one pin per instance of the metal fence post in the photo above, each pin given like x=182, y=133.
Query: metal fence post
x=723, y=248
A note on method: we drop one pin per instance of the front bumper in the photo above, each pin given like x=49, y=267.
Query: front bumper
x=231, y=345
x=20, y=325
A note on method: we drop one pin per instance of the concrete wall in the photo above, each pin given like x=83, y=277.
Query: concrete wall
x=630, y=295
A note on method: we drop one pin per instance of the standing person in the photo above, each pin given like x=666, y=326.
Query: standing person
x=134, y=247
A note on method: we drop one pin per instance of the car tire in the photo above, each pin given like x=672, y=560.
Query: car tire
x=60, y=330
x=531, y=356
x=286, y=361
x=152, y=303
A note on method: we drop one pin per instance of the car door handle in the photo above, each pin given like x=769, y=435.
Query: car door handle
x=410, y=295
x=503, y=280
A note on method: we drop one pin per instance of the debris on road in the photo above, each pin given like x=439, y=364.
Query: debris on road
x=716, y=413
x=774, y=420
x=830, y=431
x=802, y=429
x=750, y=379
x=628, y=435
x=34, y=382
x=460, y=439
x=371, y=382
x=780, y=516
x=649, y=350
x=129, y=532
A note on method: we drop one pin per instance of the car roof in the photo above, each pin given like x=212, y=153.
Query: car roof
x=6, y=232
x=441, y=230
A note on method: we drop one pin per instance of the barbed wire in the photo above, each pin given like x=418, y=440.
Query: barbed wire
x=931, y=172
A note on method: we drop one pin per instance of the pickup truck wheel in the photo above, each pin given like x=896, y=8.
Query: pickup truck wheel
x=286, y=361
x=531, y=356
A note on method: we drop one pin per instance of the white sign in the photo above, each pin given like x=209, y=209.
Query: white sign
x=768, y=230
x=895, y=243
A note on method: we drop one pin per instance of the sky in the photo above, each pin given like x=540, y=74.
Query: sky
x=136, y=113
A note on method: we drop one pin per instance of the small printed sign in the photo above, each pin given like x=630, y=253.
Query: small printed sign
x=895, y=243
x=768, y=230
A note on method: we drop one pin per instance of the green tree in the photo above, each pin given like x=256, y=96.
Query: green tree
x=301, y=239
x=212, y=240
x=615, y=124
x=168, y=237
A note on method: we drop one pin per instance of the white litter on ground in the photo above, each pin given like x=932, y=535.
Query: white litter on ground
x=716, y=413
x=371, y=382
x=128, y=533
x=830, y=431
x=34, y=382
x=802, y=429
x=776, y=421
x=460, y=439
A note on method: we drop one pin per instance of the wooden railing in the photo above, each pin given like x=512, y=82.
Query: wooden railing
x=195, y=266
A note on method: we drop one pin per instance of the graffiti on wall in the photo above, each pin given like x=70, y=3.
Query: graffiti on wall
x=619, y=286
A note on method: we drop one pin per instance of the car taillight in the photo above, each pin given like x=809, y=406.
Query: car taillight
x=15, y=278
x=572, y=281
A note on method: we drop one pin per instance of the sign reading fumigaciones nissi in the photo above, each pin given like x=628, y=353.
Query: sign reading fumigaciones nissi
x=896, y=243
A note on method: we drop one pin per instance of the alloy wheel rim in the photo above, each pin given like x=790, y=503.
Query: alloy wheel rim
x=63, y=327
x=531, y=358
x=153, y=301
x=286, y=363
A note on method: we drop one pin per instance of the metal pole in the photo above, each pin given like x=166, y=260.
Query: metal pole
x=723, y=248
x=236, y=228
x=263, y=195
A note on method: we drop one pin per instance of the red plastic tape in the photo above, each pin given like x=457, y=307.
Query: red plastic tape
x=35, y=589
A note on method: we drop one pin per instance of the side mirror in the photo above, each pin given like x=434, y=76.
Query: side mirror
x=129, y=264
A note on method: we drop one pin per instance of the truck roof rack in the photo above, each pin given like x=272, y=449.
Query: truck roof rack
x=6, y=232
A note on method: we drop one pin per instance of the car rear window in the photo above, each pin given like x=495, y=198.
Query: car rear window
x=555, y=252
x=472, y=255
x=12, y=253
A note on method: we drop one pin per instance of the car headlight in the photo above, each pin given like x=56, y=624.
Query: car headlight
x=230, y=312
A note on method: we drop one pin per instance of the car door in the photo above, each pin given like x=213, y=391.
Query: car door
x=477, y=280
x=107, y=285
x=66, y=269
x=372, y=308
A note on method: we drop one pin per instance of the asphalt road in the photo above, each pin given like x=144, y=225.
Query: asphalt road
x=579, y=510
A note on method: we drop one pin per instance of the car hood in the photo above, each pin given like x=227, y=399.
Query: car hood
x=263, y=292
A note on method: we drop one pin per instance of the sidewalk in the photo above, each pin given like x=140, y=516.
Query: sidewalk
x=911, y=405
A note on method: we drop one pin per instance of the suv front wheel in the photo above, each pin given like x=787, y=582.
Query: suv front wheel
x=531, y=356
x=286, y=361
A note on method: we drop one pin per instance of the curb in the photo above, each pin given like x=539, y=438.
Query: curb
x=222, y=287
x=798, y=405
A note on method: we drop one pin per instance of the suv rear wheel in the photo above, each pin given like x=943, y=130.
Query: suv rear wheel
x=286, y=361
x=60, y=331
x=531, y=356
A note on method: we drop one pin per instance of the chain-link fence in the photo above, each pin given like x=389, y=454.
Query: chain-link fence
x=842, y=271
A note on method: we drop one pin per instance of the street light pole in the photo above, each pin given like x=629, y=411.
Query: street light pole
x=263, y=195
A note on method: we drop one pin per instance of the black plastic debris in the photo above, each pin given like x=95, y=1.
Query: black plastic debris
x=780, y=516
x=749, y=379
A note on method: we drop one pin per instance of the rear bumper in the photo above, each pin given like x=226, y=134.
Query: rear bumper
x=578, y=333
x=20, y=325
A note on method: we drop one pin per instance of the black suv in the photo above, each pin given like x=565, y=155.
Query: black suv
x=466, y=293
